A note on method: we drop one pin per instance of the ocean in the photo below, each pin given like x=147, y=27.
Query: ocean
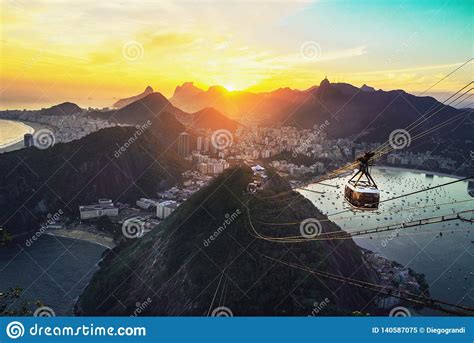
x=446, y=259
x=53, y=270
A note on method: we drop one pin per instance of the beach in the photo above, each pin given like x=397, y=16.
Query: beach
x=12, y=132
x=84, y=235
x=20, y=129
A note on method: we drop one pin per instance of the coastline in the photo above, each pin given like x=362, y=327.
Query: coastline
x=84, y=235
x=20, y=125
x=12, y=146
x=419, y=171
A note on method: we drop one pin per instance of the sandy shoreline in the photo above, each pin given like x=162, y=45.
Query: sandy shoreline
x=19, y=144
x=18, y=125
x=91, y=237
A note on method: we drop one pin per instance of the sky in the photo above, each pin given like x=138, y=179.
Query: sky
x=94, y=52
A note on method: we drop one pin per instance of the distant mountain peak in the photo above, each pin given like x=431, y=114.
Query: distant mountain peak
x=325, y=83
x=126, y=101
x=65, y=108
x=366, y=88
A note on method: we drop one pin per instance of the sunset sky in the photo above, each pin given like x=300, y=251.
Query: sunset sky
x=91, y=52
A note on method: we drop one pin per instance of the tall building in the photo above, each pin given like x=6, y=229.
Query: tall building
x=199, y=144
x=28, y=140
x=183, y=144
x=206, y=144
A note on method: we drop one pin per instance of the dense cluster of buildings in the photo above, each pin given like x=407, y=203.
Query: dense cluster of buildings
x=66, y=128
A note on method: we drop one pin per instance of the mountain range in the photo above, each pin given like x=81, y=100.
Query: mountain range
x=364, y=114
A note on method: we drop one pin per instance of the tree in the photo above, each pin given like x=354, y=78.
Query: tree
x=9, y=306
x=5, y=237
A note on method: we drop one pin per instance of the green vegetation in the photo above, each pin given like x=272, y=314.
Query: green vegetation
x=106, y=225
x=177, y=262
x=12, y=305
x=5, y=237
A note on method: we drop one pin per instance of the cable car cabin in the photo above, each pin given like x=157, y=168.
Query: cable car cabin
x=362, y=196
